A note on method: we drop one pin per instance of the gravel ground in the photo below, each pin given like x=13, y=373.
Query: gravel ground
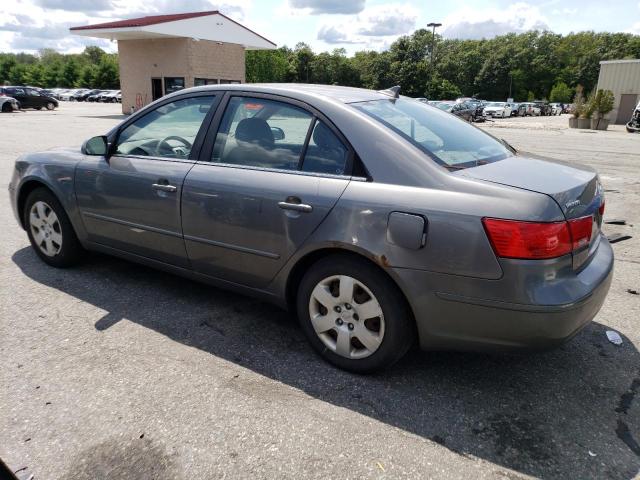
x=112, y=370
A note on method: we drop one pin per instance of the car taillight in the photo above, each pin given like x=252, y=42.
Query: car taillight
x=601, y=208
x=528, y=240
x=580, y=229
x=537, y=240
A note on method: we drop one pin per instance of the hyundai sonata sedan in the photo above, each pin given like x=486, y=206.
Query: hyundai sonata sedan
x=380, y=221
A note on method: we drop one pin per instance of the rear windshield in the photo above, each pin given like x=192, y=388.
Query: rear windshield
x=449, y=141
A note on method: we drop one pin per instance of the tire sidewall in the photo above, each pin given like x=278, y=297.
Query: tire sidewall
x=399, y=326
x=71, y=250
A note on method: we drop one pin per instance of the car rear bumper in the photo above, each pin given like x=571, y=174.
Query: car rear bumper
x=453, y=320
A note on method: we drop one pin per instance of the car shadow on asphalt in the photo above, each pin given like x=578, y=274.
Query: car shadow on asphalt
x=567, y=413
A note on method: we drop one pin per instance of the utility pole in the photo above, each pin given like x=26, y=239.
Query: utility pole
x=433, y=38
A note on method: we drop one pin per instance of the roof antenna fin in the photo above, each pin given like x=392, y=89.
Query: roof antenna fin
x=391, y=92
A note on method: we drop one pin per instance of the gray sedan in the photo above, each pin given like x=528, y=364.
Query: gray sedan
x=379, y=220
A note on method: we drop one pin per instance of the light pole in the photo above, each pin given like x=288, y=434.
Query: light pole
x=433, y=37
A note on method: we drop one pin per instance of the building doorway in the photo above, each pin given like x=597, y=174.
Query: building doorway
x=628, y=102
x=156, y=88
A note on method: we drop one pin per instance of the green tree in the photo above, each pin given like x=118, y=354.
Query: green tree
x=560, y=93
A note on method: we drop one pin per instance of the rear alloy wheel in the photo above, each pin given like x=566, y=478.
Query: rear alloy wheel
x=50, y=105
x=354, y=315
x=50, y=231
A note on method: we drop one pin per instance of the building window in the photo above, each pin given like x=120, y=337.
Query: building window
x=173, y=84
x=199, y=82
x=229, y=81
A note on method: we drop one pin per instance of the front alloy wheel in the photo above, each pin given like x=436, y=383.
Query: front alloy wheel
x=45, y=229
x=50, y=231
x=50, y=106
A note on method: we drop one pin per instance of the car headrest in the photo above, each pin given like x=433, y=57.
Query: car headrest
x=255, y=130
x=324, y=137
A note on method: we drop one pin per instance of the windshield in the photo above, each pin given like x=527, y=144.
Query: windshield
x=495, y=104
x=445, y=106
x=451, y=142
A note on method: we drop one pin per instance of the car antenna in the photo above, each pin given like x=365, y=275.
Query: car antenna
x=391, y=92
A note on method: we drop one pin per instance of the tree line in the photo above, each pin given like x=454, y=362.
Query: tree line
x=93, y=68
x=526, y=66
x=531, y=65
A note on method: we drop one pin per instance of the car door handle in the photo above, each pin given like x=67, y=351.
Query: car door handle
x=164, y=187
x=296, y=206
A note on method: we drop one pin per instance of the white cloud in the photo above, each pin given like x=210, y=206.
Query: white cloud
x=48, y=21
x=375, y=28
x=317, y=7
x=470, y=23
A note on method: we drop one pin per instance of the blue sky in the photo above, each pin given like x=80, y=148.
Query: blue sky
x=28, y=25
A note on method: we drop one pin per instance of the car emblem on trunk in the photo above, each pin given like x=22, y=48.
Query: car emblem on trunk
x=574, y=203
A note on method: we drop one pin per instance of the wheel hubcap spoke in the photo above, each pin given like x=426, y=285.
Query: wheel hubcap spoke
x=322, y=294
x=323, y=323
x=343, y=342
x=346, y=289
x=369, y=339
x=369, y=309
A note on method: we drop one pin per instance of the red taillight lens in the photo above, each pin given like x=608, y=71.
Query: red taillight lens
x=601, y=209
x=537, y=240
x=580, y=229
x=528, y=240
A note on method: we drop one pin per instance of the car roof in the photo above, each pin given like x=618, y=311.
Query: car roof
x=302, y=91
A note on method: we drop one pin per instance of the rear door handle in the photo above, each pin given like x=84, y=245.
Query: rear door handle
x=295, y=204
x=164, y=187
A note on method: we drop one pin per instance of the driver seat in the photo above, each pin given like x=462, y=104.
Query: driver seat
x=255, y=141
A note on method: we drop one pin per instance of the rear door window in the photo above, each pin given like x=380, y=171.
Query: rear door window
x=263, y=133
x=325, y=153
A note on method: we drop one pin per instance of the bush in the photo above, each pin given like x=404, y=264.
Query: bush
x=579, y=106
x=560, y=93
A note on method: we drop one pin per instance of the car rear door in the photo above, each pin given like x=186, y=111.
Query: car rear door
x=131, y=201
x=271, y=171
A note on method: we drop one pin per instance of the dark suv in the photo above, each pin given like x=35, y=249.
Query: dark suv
x=30, y=97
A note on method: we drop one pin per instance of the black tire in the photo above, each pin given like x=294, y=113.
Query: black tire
x=38, y=108
x=50, y=106
x=7, y=107
x=71, y=251
x=399, y=329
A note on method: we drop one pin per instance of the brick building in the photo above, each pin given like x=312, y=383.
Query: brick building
x=164, y=53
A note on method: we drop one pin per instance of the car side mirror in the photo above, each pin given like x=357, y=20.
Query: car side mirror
x=96, y=146
x=278, y=133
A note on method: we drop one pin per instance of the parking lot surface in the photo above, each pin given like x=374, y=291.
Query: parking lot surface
x=113, y=370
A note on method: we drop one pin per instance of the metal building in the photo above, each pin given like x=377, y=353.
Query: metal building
x=164, y=53
x=622, y=77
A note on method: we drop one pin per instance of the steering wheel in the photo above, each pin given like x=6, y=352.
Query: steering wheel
x=163, y=146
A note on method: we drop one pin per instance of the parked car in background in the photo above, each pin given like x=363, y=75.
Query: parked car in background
x=70, y=95
x=556, y=108
x=109, y=96
x=514, y=109
x=462, y=110
x=478, y=109
x=8, y=104
x=96, y=96
x=434, y=234
x=528, y=109
x=82, y=97
x=544, y=106
x=422, y=99
x=30, y=97
x=497, y=109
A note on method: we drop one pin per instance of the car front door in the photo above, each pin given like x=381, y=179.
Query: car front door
x=35, y=99
x=130, y=201
x=265, y=182
x=20, y=95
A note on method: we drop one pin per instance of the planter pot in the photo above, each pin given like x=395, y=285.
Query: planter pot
x=573, y=122
x=599, y=123
x=584, y=122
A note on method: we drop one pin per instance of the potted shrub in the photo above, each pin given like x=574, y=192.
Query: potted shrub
x=578, y=107
x=589, y=107
x=602, y=104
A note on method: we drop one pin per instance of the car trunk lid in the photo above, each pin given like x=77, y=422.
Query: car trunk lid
x=575, y=188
